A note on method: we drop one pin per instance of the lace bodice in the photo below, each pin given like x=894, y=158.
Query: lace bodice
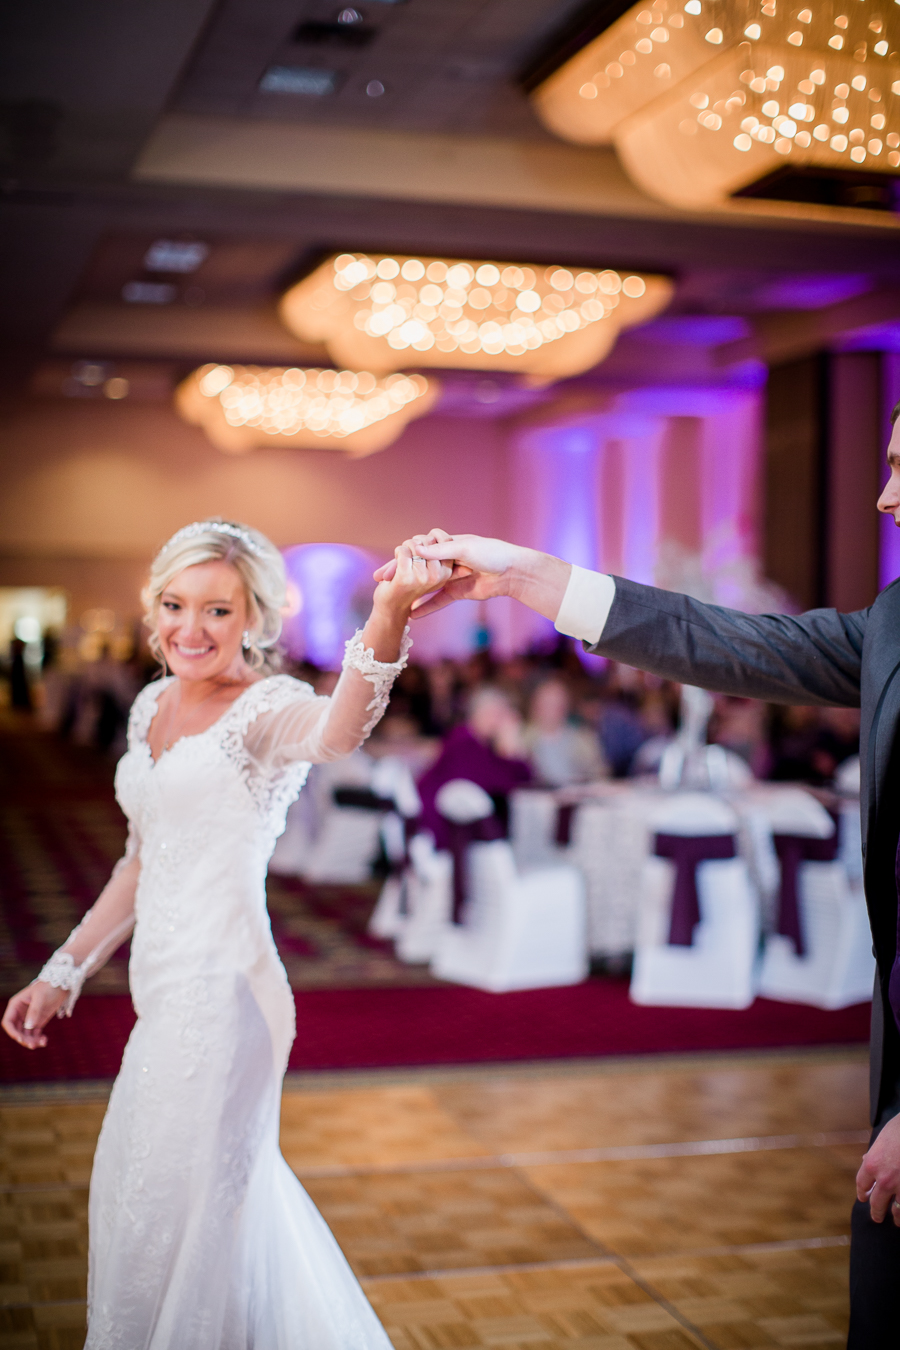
x=204, y=818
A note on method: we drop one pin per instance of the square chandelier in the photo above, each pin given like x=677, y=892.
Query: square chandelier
x=244, y=407
x=703, y=98
x=386, y=312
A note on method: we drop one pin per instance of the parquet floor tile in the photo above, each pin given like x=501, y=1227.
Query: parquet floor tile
x=679, y=1204
x=634, y=1106
x=44, y=1245
x=759, y=1299
x=445, y=1220
x=594, y=1308
x=371, y=1127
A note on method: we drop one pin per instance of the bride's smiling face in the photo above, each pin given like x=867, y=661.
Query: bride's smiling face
x=201, y=620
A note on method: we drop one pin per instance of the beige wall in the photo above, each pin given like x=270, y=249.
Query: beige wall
x=90, y=490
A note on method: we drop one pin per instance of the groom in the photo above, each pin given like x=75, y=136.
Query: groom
x=823, y=657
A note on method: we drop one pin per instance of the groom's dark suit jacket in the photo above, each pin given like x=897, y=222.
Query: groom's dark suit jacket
x=852, y=660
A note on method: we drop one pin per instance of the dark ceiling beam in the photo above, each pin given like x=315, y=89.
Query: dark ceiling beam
x=83, y=84
x=787, y=336
x=329, y=220
x=249, y=335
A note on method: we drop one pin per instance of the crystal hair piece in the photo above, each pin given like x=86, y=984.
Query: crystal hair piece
x=214, y=527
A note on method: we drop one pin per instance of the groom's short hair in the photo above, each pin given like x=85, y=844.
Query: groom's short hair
x=895, y=414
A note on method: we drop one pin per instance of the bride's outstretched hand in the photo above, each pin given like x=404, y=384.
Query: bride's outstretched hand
x=481, y=568
x=407, y=579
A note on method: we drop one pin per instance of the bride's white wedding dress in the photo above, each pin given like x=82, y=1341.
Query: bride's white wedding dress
x=201, y=1238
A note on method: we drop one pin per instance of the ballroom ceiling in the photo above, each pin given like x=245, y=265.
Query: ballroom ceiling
x=276, y=131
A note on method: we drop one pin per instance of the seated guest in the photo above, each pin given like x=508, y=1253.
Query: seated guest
x=487, y=750
x=561, y=754
x=621, y=733
x=411, y=698
x=793, y=736
x=837, y=741
x=741, y=725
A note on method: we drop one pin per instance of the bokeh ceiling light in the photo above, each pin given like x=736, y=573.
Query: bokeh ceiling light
x=703, y=98
x=244, y=407
x=389, y=312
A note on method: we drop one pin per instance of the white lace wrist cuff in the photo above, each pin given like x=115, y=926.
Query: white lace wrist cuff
x=380, y=674
x=61, y=972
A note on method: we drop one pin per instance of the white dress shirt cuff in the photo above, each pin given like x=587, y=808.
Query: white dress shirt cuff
x=586, y=604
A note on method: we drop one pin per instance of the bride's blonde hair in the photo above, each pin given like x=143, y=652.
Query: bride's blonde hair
x=256, y=561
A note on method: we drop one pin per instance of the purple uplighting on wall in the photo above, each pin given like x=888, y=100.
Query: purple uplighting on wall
x=331, y=586
x=810, y=291
x=889, y=560
x=593, y=490
x=698, y=330
x=563, y=468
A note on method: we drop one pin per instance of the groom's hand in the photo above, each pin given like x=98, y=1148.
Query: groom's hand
x=878, y=1179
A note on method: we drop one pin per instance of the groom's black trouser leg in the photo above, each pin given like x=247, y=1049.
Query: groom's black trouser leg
x=874, y=1282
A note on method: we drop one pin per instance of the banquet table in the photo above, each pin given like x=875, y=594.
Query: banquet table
x=606, y=830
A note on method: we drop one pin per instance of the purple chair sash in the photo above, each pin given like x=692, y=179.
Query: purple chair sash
x=459, y=839
x=686, y=851
x=564, y=816
x=792, y=850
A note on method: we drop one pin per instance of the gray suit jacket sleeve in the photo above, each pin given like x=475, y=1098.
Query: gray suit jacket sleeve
x=785, y=658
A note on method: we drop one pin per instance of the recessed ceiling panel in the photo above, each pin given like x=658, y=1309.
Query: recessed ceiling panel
x=427, y=64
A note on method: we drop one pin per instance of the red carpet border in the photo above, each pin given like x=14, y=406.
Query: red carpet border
x=404, y=1027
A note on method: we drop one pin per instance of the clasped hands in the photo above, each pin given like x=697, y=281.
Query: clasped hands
x=471, y=567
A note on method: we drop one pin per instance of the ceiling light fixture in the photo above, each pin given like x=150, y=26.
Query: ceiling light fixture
x=244, y=407
x=175, y=255
x=308, y=81
x=149, y=292
x=702, y=99
x=386, y=312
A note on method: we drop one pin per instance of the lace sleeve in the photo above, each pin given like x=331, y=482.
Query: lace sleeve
x=315, y=729
x=103, y=929
x=380, y=674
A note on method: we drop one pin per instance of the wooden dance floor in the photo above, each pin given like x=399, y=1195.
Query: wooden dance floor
x=600, y=1205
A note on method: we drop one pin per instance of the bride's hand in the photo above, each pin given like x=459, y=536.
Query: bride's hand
x=410, y=579
x=29, y=1011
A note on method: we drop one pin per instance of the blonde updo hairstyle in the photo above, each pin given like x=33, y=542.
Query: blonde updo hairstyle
x=258, y=564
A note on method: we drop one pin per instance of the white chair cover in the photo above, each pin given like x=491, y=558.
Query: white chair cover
x=391, y=778
x=520, y=931
x=326, y=843
x=428, y=890
x=429, y=898
x=463, y=801
x=837, y=968
x=718, y=970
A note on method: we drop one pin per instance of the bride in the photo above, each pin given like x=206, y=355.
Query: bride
x=201, y=1238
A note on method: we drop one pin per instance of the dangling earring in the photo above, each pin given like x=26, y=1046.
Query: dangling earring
x=246, y=640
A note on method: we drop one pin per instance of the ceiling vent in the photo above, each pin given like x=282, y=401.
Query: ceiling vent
x=349, y=31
